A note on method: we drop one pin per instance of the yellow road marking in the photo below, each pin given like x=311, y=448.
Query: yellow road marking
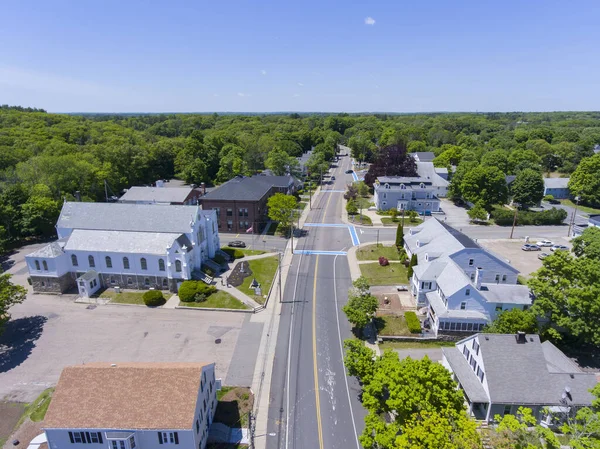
x=237, y=235
x=316, y=373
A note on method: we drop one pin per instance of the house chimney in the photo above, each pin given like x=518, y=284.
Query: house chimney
x=203, y=187
x=78, y=196
x=478, y=277
x=160, y=183
x=521, y=337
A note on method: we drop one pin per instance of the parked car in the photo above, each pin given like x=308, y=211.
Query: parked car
x=554, y=201
x=236, y=244
x=333, y=178
x=559, y=248
x=530, y=247
x=348, y=172
x=545, y=242
x=402, y=288
x=542, y=256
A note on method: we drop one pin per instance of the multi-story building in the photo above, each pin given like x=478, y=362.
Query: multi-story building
x=463, y=286
x=132, y=405
x=241, y=203
x=176, y=196
x=420, y=193
x=127, y=245
x=498, y=373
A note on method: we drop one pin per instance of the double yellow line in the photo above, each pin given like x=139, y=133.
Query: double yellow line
x=314, y=338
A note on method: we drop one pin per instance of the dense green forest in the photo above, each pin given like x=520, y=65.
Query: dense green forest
x=45, y=157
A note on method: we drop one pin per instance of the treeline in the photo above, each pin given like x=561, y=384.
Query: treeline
x=69, y=153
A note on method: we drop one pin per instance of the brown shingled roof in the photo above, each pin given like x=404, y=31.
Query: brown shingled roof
x=128, y=396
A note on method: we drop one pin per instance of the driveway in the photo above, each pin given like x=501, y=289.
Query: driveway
x=434, y=354
x=454, y=215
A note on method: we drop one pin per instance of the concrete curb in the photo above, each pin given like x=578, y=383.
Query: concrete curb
x=214, y=309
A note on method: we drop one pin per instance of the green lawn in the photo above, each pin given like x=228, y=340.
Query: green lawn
x=387, y=221
x=392, y=325
x=589, y=210
x=394, y=273
x=219, y=300
x=36, y=410
x=263, y=270
x=366, y=220
x=247, y=252
x=124, y=297
x=373, y=252
x=417, y=344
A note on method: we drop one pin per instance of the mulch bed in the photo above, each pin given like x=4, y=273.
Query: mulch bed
x=393, y=306
x=236, y=278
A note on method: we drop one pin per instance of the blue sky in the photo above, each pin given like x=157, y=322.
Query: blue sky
x=309, y=55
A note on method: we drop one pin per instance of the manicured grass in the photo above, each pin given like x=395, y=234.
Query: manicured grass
x=387, y=221
x=36, y=410
x=392, y=325
x=248, y=252
x=219, y=300
x=373, y=252
x=124, y=297
x=394, y=273
x=589, y=210
x=366, y=220
x=417, y=344
x=263, y=270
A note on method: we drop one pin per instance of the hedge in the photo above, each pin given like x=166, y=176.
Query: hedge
x=235, y=253
x=505, y=217
x=195, y=291
x=153, y=298
x=413, y=323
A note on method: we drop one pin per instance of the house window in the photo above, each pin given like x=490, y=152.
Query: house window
x=453, y=326
x=497, y=278
x=161, y=264
x=243, y=212
x=503, y=278
x=525, y=307
x=402, y=186
x=168, y=438
x=472, y=277
x=131, y=442
x=178, y=266
x=125, y=263
x=466, y=352
x=499, y=308
x=470, y=326
x=112, y=280
x=143, y=263
x=229, y=225
x=129, y=281
x=197, y=426
x=463, y=305
x=473, y=363
x=385, y=195
x=165, y=283
x=91, y=261
x=78, y=437
x=147, y=282
x=481, y=376
x=471, y=262
x=74, y=260
x=45, y=265
x=204, y=404
x=37, y=265
x=475, y=346
x=218, y=209
x=96, y=437
x=507, y=409
x=468, y=292
x=230, y=212
x=422, y=185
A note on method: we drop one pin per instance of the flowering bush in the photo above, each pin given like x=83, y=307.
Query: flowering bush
x=383, y=261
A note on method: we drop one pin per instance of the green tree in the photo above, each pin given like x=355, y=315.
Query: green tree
x=451, y=156
x=415, y=146
x=521, y=159
x=585, y=181
x=400, y=236
x=412, y=263
x=361, y=305
x=10, y=294
x=528, y=188
x=477, y=213
x=359, y=360
x=496, y=158
x=363, y=189
x=454, y=189
x=351, y=207
x=521, y=432
x=280, y=163
x=513, y=321
x=584, y=427
x=588, y=244
x=39, y=215
x=281, y=209
x=567, y=292
x=485, y=186
x=394, y=213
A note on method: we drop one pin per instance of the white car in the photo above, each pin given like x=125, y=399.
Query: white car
x=559, y=248
x=545, y=242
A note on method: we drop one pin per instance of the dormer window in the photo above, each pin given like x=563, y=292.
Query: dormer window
x=418, y=244
x=387, y=186
x=422, y=185
x=426, y=257
x=402, y=187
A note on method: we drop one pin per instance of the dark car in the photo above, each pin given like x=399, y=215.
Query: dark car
x=349, y=172
x=236, y=244
x=554, y=201
x=333, y=178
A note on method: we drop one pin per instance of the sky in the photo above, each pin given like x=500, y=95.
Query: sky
x=305, y=56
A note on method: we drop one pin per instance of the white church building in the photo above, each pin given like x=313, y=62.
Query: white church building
x=137, y=246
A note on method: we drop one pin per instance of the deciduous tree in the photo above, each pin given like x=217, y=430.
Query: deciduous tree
x=359, y=360
x=585, y=181
x=281, y=208
x=528, y=188
x=588, y=244
x=513, y=321
x=361, y=305
x=485, y=186
x=10, y=294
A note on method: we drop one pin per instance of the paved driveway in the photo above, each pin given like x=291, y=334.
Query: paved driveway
x=454, y=215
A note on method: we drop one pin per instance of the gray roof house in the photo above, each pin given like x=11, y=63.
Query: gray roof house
x=557, y=187
x=593, y=221
x=462, y=285
x=498, y=373
x=423, y=156
x=420, y=193
x=161, y=195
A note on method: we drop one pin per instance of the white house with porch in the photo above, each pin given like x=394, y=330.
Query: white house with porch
x=137, y=246
x=132, y=406
x=462, y=285
x=498, y=373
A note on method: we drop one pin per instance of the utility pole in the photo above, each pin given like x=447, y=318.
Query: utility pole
x=106, y=190
x=377, y=239
x=514, y=220
x=572, y=222
x=280, y=300
x=309, y=195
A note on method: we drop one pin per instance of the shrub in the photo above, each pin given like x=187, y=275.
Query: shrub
x=548, y=197
x=235, y=253
x=412, y=322
x=153, y=298
x=402, y=255
x=200, y=297
x=505, y=217
x=383, y=261
x=187, y=291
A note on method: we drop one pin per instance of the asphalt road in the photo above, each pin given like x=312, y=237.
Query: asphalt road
x=313, y=404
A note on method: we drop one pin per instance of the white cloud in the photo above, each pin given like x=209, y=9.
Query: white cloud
x=263, y=72
x=300, y=84
x=369, y=21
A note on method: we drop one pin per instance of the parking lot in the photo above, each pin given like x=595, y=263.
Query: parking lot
x=525, y=261
x=48, y=332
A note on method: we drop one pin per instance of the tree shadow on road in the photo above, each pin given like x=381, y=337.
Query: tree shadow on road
x=18, y=340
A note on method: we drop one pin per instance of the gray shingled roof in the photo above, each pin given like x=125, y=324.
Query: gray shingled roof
x=127, y=217
x=506, y=293
x=248, y=189
x=467, y=378
x=51, y=250
x=517, y=373
x=122, y=241
x=442, y=312
x=556, y=183
x=425, y=156
x=88, y=275
x=157, y=194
